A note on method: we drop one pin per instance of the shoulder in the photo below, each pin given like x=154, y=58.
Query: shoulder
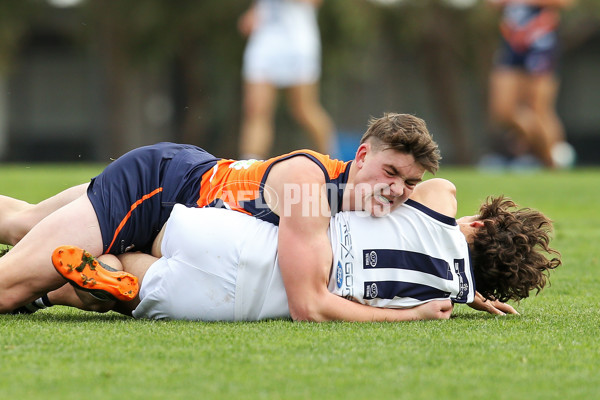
x=436, y=184
x=297, y=169
x=291, y=182
x=438, y=194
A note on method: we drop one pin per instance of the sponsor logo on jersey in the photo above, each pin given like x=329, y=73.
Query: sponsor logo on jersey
x=371, y=291
x=463, y=283
x=346, y=260
x=339, y=278
x=242, y=164
x=372, y=259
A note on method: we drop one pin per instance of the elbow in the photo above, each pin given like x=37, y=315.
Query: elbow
x=306, y=311
x=305, y=314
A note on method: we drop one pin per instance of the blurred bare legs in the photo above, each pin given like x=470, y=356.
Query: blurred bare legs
x=527, y=103
x=258, y=126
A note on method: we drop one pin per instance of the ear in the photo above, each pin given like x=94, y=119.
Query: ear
x=477, y=224
x=361, y=153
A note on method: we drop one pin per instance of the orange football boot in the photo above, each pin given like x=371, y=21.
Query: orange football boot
x=81, y=269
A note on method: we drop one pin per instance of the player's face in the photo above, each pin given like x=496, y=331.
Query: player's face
x=385, y=179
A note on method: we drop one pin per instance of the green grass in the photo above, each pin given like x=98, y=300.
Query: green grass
x=551, y=351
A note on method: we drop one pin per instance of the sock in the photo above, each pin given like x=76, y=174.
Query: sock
x=43, y=302
x=39, y=304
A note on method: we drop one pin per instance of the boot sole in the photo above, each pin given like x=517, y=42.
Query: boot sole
x=81, y=269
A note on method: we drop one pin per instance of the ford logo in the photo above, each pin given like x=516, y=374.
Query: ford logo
x=339, y=279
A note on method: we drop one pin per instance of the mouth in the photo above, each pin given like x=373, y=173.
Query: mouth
x=383, y=200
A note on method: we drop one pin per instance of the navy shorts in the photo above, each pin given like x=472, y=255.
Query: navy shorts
x=534, y=60
x=133, y=196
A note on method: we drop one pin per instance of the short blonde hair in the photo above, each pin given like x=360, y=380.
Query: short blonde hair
x=404, y=133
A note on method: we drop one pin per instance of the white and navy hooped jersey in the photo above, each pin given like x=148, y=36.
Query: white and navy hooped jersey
x=404, y=259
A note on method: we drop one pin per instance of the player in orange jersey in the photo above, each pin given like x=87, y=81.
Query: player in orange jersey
x=126, y=205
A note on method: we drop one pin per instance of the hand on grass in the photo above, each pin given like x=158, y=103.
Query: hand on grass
x=493, y=307
x=437, y=309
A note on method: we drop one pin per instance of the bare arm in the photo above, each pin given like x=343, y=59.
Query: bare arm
x=247, y=21
x=305, y=256
x=438, y=194
x=305, y=261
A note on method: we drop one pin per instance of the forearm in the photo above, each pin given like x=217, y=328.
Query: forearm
x=334, y=308
x=329, y=307
x=305, y=260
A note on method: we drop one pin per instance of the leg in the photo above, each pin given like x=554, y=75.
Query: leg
x=68, y=295
x=257, y=131
x=82, y=269
x=26, y=271
x=10, y=229
x=508, y=90
x=543, y=90
x=307, y=110
x=134, y=264
x=18, y=217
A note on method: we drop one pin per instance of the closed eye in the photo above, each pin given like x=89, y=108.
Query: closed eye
x=390, y=170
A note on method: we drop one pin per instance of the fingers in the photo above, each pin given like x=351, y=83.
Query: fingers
x=446, y=305
x=444, y=309
x=506, y=308
x=493, y=307
x=499, y=308
x=447, y=309
x=493, y=310
x=436, y=309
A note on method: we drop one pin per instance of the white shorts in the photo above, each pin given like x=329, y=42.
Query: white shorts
x=285, y=49
x=217, y=265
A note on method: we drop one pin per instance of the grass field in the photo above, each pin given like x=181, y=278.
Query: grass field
x=550, y=351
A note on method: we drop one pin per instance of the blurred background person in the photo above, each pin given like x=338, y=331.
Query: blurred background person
x=283, y=52
x=524, y=85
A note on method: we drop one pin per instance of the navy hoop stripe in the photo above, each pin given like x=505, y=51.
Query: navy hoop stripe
x=406, y=260
x=433, y=214
x=393, y=289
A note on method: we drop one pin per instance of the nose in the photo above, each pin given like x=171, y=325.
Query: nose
x=398, y=187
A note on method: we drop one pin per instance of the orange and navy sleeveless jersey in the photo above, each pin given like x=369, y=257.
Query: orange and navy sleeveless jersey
x=524, y=26
x=239, y=184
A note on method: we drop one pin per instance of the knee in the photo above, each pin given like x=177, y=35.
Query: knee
x=501, y=114
x=257, y=107
x=542, y=108
x=9, y=303
x=15, y=227
x=303, y=112
x=300, y=113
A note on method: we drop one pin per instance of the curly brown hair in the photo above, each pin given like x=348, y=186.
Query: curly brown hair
x=407, y=134
x=508, y=253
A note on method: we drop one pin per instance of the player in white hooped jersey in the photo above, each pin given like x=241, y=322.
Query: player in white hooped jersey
x=416, y=255
x=221, y=265
x=230, y=272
